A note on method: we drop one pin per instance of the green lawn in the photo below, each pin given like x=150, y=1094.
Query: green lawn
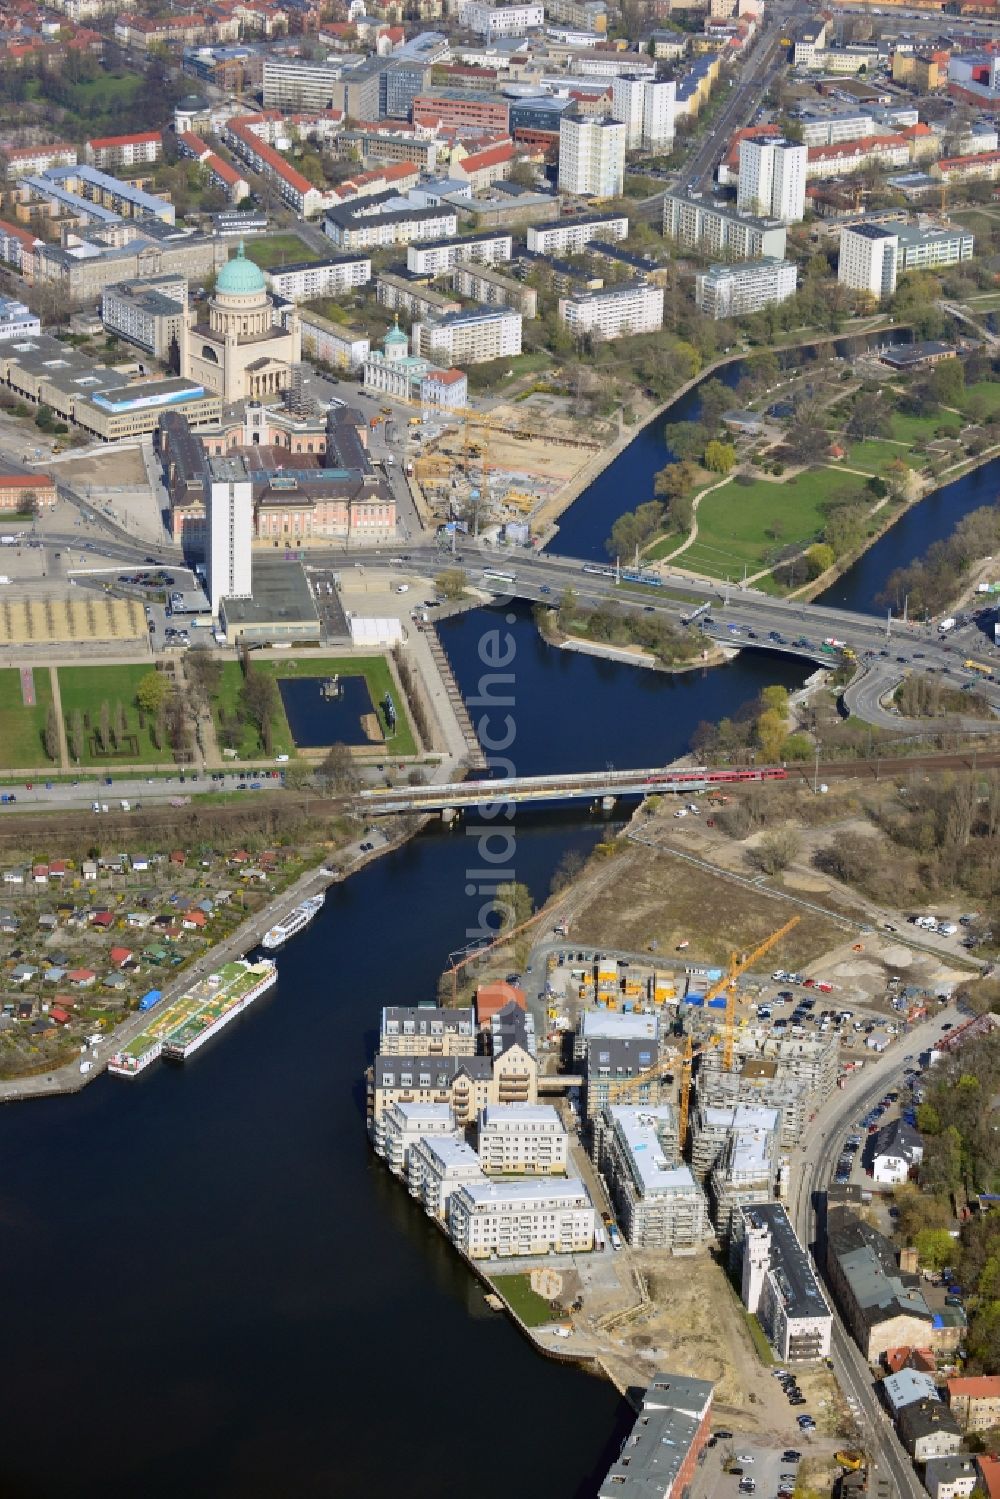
x=985, y=391
x=21, y=728
x=734, y=522
x=908, y=428
x=500, y=372
x=533, y=1310
x=875, y=454
x=759, y=1340
x=278, y=250
x=108, y=89
x=249, y=745
x=85, y=688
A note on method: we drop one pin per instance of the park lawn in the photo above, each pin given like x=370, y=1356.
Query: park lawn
x=533, y=1310
x=986, y=391
x=108, y=89
x=375, y=670
x=906, y=427
x=21, y=728
x=734, y=521
x=875, y=454
x=249, y=747
x=279, y=249
x=86, y=687
x=662, y=545
x=499, y=372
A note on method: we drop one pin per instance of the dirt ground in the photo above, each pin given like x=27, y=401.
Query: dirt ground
x=122, y=469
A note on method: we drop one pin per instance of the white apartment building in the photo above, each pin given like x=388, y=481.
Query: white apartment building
x=292, y=83
x=438, y=1165
x=924, y=249
x=810, y=41
x=573, y=235
x=628, y=104
x=404, y=1124
x=340, y=347
x=472, y=337
x=325, y=278
x=591, y=156
x=701, y=224
x=17, y=319
x=659, y=114
x=779, y=1285
x=658, y=1202
x=830, y=130
x=518, y=1139
x=772, y=180
x=427, y=1030
x=500, y=20
x=353, y=230
x=500, y=1219
x=868, y=260
x=148, y=313
x=725, y=291
x=615, y=312
x=435, y=257
x=230, y=531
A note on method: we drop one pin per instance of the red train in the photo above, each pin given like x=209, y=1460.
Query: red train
x=718, y=777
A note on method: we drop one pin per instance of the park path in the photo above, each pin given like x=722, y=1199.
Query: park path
x=692, y=535
x=60, y=721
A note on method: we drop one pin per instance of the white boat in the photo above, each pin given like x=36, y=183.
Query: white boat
x=293, y=923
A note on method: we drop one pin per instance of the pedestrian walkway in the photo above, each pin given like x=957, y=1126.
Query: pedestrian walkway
x=57, y=708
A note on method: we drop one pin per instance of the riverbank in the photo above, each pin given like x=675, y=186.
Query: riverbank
x=635, y=655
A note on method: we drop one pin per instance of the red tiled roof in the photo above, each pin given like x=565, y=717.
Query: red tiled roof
x=18, y=231
x=989, y=1471
x=22, y=481
x=859, y=147
x=980, y=158
x=983, y=1387
x=222, y=169
x=142, y=139
x=483, y=159
x=194, y=143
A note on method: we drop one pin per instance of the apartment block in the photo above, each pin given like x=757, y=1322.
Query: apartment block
x=628, y=104
x=324, y=278
x=746, y=1173
x=520, y=1139
x=869, y=259
x=659, y=114
x=425, y=1030
x=701, y=224
x=472, y=337
x=492, y=289
x=714, y=1125
x=436, y=257
x=117, y=151
x=335, y=344
x=292, y=83
x=882, y=1307
x=465, y=1084
x=779, y=1285
x=503, y=1219
x=939, y=245
x=591, y=156
x=405, y=1124
x=571, y=236
x=615, y=312
x=621, y=1069
x=366, y=226
x=757, y=1086
x=409, y=294
x=17, y=319
x=658, y=1202
x=493, y=21
x=975, y=1402
x=437, y=1166
x=725, y=291
x=772, y=180
x=25, y=161
x=927, y=1429
x=659, y=1458
x=149, y=314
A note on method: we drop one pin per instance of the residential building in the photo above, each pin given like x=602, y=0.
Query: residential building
x=882, y=1307
x=401, y=291
x=725, y=291
x=470, y=337
x=658, y=1202
x=928, y=1429
x=746, y=1170
x=604, y=62
x=628, y=104
x=502, y=1219
x=615, y=312
x=659, y=1458
x=907, y=1385
x=883, y=152
x=464, y=1083
x=809, y=43
x=659, y=114
x=933, y=247
x=950, y=1477
x=291, y=83
x=492, y=21
x=301, y=282
x=989, y=1475
x=975, y=1401
x=149, y=314
x=246, y=137
x=622, y=1067
x=17, y=246
x=435, y=257
x=779, y=1285
x=405, y=1124
x=427, y=1031
x=87, y=263
x=490, y=287
x=117, y=151
x=26, y=161
x=366, y=226
x=982, y=166
x=17, y=319
x=437, y=1166
x=461, y=109
x=896, y=1150
x=571, y=236
x=591, y=156
x=772, y=180
x=481, y=169
x=229, y=504
x=716, y=229
x=239, y=352
x=831, y=129
x=869, y=259
x=92, y=197
x=518, y=1139
x=335, y=344
x=512, y=1028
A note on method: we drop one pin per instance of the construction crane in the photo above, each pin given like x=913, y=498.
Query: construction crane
x=620, y=1088
x=738, y=965
x=500, y=940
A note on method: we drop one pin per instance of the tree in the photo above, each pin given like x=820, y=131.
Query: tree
x=451, y=583
x=513, y=905
x=258, y=701
x=152, y=691
x=632, y=530
x=104, y=728
x=77, y=742
x=935, y=1248
x=686, y=440
x=948, y=382
x=770, y=734
x=50, y=736
x=118, y=724
x=340, y=770
x=570, y=866
x=775, y=697
x=776, y=851
x=819, y=557
x=719, y=457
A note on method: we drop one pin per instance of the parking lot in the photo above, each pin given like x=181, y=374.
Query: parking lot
x=764, y=1472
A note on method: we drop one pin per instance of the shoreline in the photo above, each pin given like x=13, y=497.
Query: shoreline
x=625, y=655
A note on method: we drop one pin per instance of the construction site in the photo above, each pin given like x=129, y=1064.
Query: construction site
x=500, y=467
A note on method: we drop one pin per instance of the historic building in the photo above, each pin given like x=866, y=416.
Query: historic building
x=239, y=353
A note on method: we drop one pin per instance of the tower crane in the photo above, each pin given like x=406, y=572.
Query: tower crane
x=738, y=965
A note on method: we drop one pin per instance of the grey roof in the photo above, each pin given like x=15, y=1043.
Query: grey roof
x=440, y=1071
x=868, y=1263
x=654, y=1451
x=924, y=1417
x=426, y=1020
x=281, y=595
x=872, y=231
x=899, y=1139
x=790, y=1264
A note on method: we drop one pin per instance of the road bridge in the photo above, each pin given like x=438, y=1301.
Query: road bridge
x=581, y=784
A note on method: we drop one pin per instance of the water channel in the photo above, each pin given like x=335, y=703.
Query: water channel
x=211, y=1285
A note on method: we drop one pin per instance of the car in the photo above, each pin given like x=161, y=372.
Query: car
x=790, y=1455
x=745, y=1457
x=724, y=1435
x=947, y=1027
x=805, y=1421
x=545, y=588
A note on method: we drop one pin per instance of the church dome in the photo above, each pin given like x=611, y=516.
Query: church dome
x=239, y=277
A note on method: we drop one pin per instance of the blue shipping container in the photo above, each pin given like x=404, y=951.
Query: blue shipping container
x=150, y=999
x=717, y=1004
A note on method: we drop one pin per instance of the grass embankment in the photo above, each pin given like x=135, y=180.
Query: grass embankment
x=533, y=1310
x=84, y=688
x=741, y=524
x=276, y=250
x=21, y=728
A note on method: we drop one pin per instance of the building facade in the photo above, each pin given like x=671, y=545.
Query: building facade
x=570, y=237
x=725, y=291
x=869, y=259
x=658, y=1202
x=517, y=1139
x=470, y=337
x=324, y=278
x=591, y=156
x=616, y=312
x=772, y=180
x=780, y=1287
x=702, y=224
x=149, y=314
x=660, y=1455
x=239, y=352
x=504, y=1219
x=230, y=531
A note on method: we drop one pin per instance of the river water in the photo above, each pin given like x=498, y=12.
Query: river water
x=212, y=1287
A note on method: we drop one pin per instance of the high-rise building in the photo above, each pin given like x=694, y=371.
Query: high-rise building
x=772, y=181
x=659, y=113
x=230, y=530
x=628, y=103
x=733, y=290
x=591, y=156
x=869, y=256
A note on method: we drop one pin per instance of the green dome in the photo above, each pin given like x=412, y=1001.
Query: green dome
x=240, y=277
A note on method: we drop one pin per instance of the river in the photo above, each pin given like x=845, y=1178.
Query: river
x=212, y=1285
